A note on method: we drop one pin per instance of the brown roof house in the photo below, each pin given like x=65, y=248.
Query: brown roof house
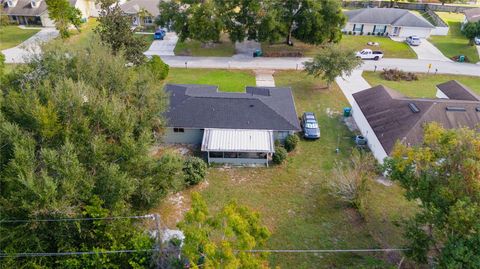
x=34, y=12
x=385, y=116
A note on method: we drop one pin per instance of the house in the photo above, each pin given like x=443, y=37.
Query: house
x=134, y=9
x=385, y=116
x=387, y=21
x=472, y=15
x=236, y=128
x=34, y=12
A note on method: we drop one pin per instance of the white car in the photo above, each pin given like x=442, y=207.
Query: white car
x=477, y=40
x=368, y=54
x=414, y=40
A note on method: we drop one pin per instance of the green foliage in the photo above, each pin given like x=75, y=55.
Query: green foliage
x=442, y=174
x=76, y=128
x=332, y=62
x=291, y=142
x=194, y=170
x=2, y=64
x=217, y=241
x=471, y=30
x=64, y=15
x=158, y=68
x=280, y=155
x=115, y=31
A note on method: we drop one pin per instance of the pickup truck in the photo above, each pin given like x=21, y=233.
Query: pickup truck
x=368, y=54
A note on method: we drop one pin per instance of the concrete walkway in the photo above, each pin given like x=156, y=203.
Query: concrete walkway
x=352, y=84
x=29, y=47
x=264, y=78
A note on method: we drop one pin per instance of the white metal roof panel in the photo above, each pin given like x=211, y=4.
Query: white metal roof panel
x=238, y=140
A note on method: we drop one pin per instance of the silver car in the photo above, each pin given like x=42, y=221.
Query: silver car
x=414, y=40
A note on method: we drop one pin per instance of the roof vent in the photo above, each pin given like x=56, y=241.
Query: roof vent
x=251, y=105
x=414, y=108
x=455, y=108
x=477, y=109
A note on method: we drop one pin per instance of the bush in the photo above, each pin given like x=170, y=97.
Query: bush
x=349, y=32
x=369, y=33
x=398, y=75
x=354, y=33
x=361, y=33
x=158, y=68
x=280, y=155
x=194, y=170
x=291, y=142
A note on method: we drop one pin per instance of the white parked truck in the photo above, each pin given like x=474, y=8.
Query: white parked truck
x=368, y=54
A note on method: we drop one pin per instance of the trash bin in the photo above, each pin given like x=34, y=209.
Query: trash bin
x=461, y=58
x=347, y=111
x=257, y=53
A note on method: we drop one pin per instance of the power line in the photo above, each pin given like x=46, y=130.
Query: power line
x=51, y=254
x=150, y=216
x=323, y=250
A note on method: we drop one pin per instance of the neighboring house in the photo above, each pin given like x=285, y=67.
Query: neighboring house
x=133, y=8
x=385, y=116
x=237, y=128
x=34, y=12
x=391, y=21
x=472, y=15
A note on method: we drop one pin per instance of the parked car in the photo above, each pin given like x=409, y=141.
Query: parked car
x=414, y=40
x=159, y=34
x=477, y=40
x=310, y=126
x=368, y=54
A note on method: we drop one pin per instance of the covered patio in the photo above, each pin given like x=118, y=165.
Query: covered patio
x=238, y=146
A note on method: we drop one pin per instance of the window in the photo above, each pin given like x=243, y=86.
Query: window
x=358, y=27
x=178, y=130
x=148, y=20
x=379, y=28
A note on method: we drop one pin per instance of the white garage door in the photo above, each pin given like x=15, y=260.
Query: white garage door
x=421, y=32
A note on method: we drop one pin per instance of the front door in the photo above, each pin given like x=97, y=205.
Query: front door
x=396, y=30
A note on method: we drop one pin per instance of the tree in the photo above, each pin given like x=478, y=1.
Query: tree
x=142, y=14
x=443, y=175
x=76, y=129
x=219, y=240
x=471, y=30
x=194, y=170
x=114, y=30
x=331, y=62
x=64, y=15
x=158, y=68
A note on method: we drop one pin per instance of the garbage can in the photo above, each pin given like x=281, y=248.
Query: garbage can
x=257, y=53
x=461, y=58
x=347, y=111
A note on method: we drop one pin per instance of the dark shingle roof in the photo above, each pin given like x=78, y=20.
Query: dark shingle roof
x=457, y=91
x=473, y=14
x=203, y=106
x=389, y=16
x=393, y=120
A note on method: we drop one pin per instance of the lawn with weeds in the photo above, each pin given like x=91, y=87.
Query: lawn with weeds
x=12, y=35
x=227, y=80
x=293, y=199
x=391, y=49
x=455, y=43
x=225, y=48
x=424, y=87
x=84, y=37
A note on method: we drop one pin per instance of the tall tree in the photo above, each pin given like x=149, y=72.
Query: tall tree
x=331, y=62
x=471, y=30
x=443, y=175
x=76, y=128
x=64, y=15
x=114, y=29
x=218, y=241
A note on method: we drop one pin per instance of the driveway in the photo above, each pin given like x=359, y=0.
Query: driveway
x=427, y=51
x=246, y=49
x=27, y=48
x=163, y=47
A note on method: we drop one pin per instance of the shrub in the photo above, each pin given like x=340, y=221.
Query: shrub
x=291, y=142
x=361, y=33
x=158, y=68
x=398, y=75
x=279, y=156
x=349, y=32
x=194, y=170
x=369, y=33
x=354, y=33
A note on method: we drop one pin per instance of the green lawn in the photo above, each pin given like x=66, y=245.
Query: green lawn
x=424, y=86
x=455, y=43
x=392, y=49
x=292, y=198
x=195, y=48
x=11, y=36
x=227, y=80
x=82, y=39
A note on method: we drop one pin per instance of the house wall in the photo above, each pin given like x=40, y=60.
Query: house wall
x=281, y=135
x=190, y=136
x=418, y=31
x=86, y=7
x=238, y=161
x=404, y=31
x=367, y=131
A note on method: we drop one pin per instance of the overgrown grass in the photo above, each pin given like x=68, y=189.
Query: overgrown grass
x=391, y=49
x=11, y=36
x=84, y=37
x=227, y=80
x=195, y=48
x=293, y=199
x=455, y=43
x=424, y=87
